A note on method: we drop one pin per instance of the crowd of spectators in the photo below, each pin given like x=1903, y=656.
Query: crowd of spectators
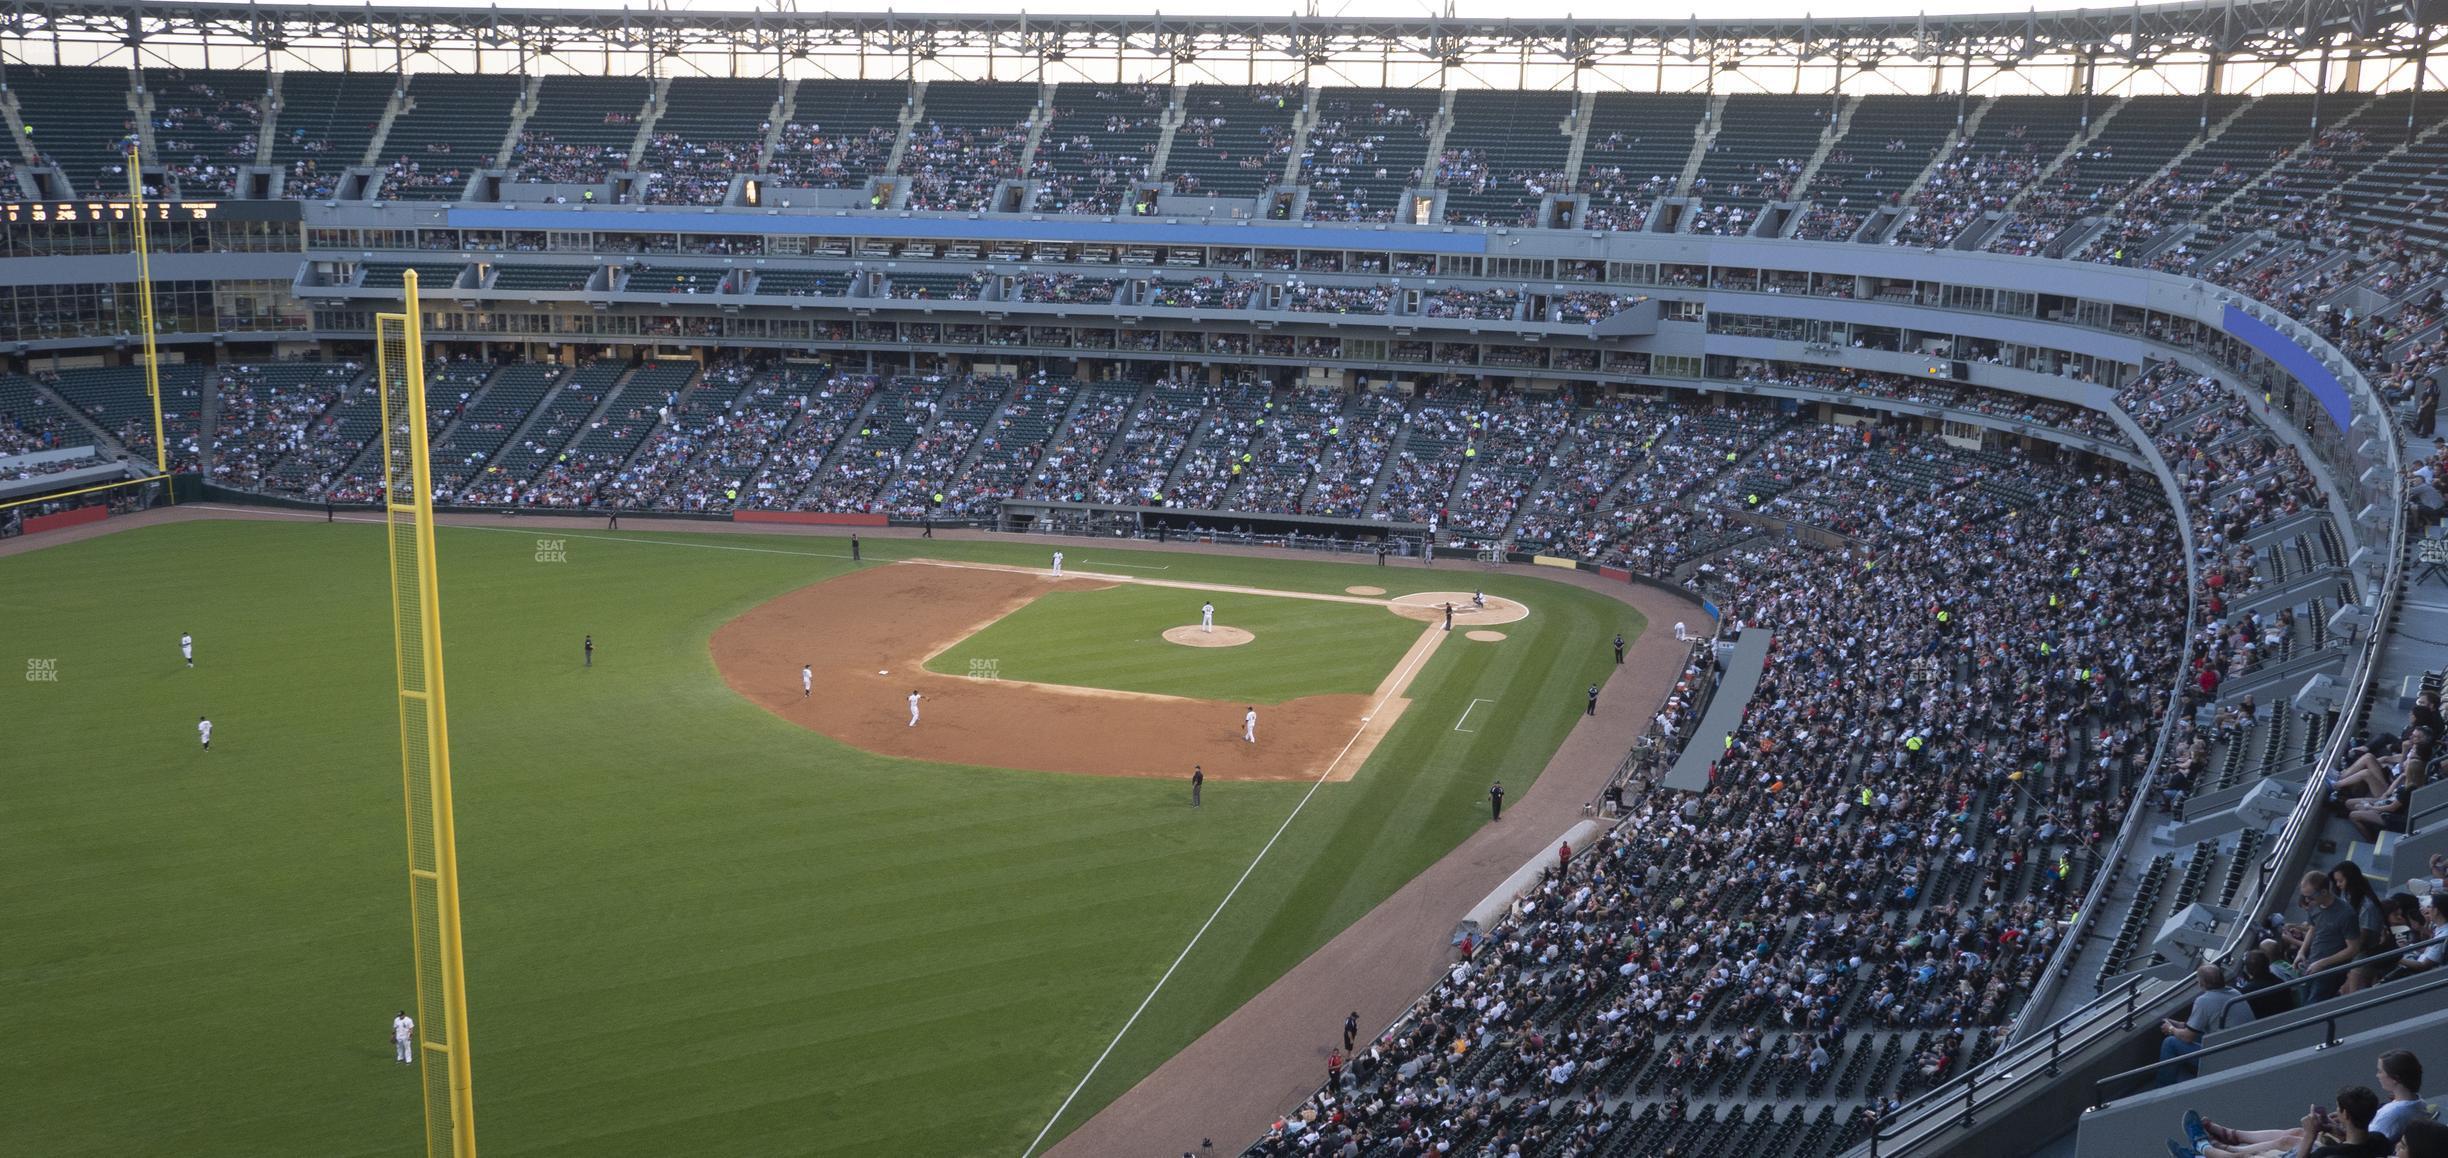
x=956, y=169
x=1967, y=185
x=1343, y=160
x=541, y=159
x=1205, y=292
x=195, y=106
x=1861, y=865
x=1486, y=305
x=1306, y=297
x=698, y=170
x=807, y=156
x=1087, y=169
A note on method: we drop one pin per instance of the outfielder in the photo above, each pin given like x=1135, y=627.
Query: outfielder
x=1249, y=725
x=204, y=732
x=913, y=709
x=1058, y=564
x=403, y=1038
x=807, y=680
x=187, y=648
x=1207, y=617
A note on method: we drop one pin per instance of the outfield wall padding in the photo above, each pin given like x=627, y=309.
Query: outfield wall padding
x=78, y=517
x=809, y=518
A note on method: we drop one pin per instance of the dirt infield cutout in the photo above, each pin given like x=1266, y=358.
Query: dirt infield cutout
x=1485, y=636
x=1429, y=607
x=1195, y=636
x=1364, y=589
x=908, y=611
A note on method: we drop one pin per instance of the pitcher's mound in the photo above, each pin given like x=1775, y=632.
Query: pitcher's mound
x=1429, y=607
x=1485, y=636
x=1222, y=636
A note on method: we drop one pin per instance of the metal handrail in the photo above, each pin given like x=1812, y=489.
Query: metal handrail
x=2328, y=1019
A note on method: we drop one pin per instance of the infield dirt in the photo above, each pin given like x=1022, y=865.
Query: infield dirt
x=890, y=618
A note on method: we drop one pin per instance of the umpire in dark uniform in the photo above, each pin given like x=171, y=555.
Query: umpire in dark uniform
x=1198, y=780
x=1619, y=647
x=854, y=557
x=1593, y=704
x=1496, y=801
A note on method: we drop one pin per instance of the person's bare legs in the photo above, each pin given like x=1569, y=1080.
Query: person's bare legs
x=2363, y=780
x=2250, y=1143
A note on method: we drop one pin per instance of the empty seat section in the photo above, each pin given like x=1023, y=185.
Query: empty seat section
x=2145, y=133
x=581, y=129
x=802, y=283
x=454, y=127
x=934, y=286
x=711, y=128
x=1233, y=140
x=326, y=121
x=1886, y=145
x=1102, y=138
x=76, y=118
x=973, y=135
x=673, y=279
x=1368, y=145
x=431, y=275
x=551, y=278
x=2018, y=138
x=1637, y=146
x=841, y=133
x=1504, y=151
x=1761, y=149
x=205, y=125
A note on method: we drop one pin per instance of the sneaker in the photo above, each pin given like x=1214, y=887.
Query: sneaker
x=2178, y=1149
x=2195, y=1132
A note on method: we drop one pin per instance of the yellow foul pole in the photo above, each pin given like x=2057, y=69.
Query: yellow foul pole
x=144, y=303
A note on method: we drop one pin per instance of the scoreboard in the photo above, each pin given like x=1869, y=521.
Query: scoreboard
x=96, y=210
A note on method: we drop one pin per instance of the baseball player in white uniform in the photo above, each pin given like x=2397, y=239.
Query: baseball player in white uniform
x=807, y=680
x=913, y=709
x=1058, y=564
x=1207, y=617
x=204, y=732
x=187, y=648
x=1249, y=725
x=403, y=1038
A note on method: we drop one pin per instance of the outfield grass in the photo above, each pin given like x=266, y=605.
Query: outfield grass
x=691, y=927
x=1114, y=639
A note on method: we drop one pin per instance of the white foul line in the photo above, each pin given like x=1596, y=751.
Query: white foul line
x=1320, y=782
x=1474, y=704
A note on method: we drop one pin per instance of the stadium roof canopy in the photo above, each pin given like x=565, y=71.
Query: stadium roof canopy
x=2280, y=33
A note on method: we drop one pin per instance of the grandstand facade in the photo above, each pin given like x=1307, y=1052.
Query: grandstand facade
x=2126, y=320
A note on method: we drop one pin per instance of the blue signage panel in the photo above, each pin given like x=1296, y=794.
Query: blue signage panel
x=2302, y=363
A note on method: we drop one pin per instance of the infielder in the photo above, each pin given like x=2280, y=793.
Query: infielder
x=403, y=1038
x=1249, y=725
x=187, y=648
x=1058, y=564
x=1479, y=600
x=1207, y=617
x=913, y=709
x=204, y=732
x=807, y=680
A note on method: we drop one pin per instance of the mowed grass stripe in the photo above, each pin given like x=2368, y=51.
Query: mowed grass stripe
x=1114, y=638
x=691, y=926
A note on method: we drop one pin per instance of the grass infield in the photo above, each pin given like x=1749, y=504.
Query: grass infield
x=691, y=927
x=1114, y=639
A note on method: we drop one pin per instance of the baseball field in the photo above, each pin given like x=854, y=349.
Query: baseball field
x=705, y=913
